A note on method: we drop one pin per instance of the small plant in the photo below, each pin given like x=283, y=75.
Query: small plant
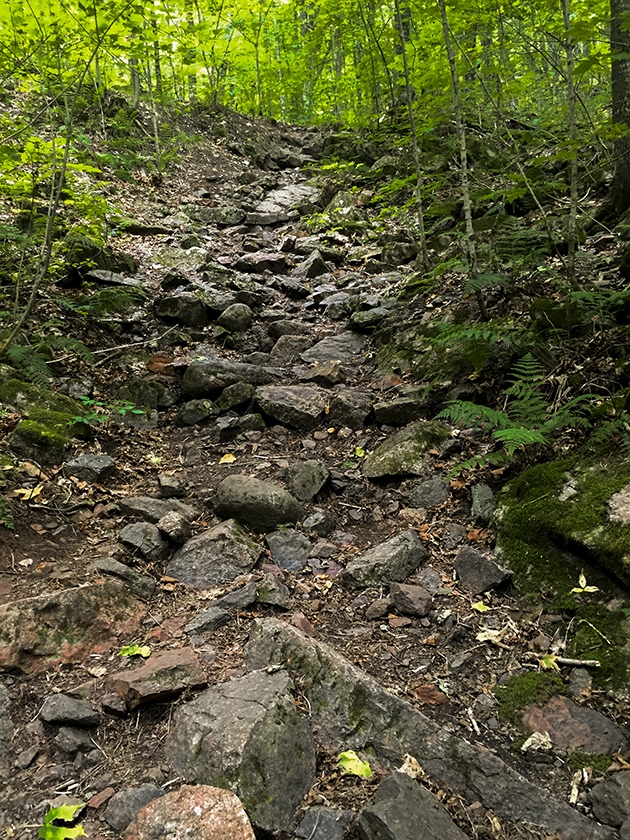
x=5, y=516
x=97, y=410
x=63, y=814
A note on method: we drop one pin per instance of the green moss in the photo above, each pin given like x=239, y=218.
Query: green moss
x=524, y=690
x=596, y=761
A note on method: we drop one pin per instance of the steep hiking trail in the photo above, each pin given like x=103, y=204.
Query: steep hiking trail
x=265, y=525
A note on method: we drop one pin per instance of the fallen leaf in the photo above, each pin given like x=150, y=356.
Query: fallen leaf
x=228, y=459
x=135, y=650
x=480, y=607
x=352, y=765
x=430, y=694
x=477, y=534
x=28, y=493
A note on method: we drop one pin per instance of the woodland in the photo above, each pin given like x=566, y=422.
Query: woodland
x=459, y=176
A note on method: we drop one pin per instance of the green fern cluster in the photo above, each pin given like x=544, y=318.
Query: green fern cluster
x=32, y=360
x=528, y=419
x=478, y=342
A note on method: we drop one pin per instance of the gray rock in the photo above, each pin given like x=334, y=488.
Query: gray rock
x=326, y=374
x=428, y=493
x=90, y=467
x=154, y=509
x=397, y=412
x=240, y=598
x=350, y=407
x=573, y=727
x=273, y=592
x=229, y=427
x=141, y=585
x=290, y=197
x=284, y=326
x=610, y=799
x=410, y=600
x=6, y=731
x=195, y=411
x=352, y=711
x=393, y=560
x=71, y=740
x=339, y=305
x=144, y=539
x=306, y=479
x=60, y=708
x=206, y=378
x=261, y=505
x=301, y=406
x=148, y=394
x=289, y=549
x=365, y=320
x=224, y=215
x=219, y=554
x=405, y=452
x=482, y=502
x=313, y=266
x=124, y=806
x=247, y=735
x=477, y=573
x=322, y=522
x=210, y=619
x=340, y=347
x=260, y=261
x=170, y=486
x=175, y=527
x=287, y=348
x=235, y=395
x=236, y=318
x=322, y=823
x=185, y=308
x=400, y=806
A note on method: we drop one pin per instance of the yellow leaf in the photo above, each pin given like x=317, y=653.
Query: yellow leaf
x=331, y=430
x=582, y=580
x=480, y=607
x=28, y=493
x=228, y=459
x=549, y=661
x=352, y=765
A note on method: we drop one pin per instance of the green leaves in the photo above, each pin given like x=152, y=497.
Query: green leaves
x=135, y=650
x=352, y=765
x=64, y=813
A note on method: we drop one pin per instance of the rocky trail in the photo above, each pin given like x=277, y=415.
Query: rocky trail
x=278, y=528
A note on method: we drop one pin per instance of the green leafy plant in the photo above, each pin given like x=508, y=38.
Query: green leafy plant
x=528, y=420
x=98, y=410
x=477, y=343
x=5, y=516
x=64, y=814
x=135, y=650
x=32, y=360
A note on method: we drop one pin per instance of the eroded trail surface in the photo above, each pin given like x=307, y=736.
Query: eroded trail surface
x=303, y=591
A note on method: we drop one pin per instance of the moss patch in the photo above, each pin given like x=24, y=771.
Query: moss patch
x=596, y=761
x=525, y=690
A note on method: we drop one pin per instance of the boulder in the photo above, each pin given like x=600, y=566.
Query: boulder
x=404, y=453
x=164, y=675
x=393, y=560
x=300, y=406
x=206, y=378
x=335, y=348
x=260, y=505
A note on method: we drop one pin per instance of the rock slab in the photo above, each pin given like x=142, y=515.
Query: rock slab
x=164, y=675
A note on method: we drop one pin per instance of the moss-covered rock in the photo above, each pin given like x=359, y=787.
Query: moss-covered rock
x=404, y=452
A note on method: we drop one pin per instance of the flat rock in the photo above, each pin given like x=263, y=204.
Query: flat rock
x=194, y=812
x=410, y=599
x=351, y=710
x=59, y=708
x=185, y=308
x=400, y=806
x=247, y=735
x=335, y=348
x=393, y=560
x=206, y=378
x=575, y=727
x=153, y=510
x=261, y=261
x=610, y=799
x=66, y=625
x=260, y=505
x=124, y=806
x=285, y=326
x=428, y=493
x=477, y=573
x=306, y=479
x=6, y=731
x=404, y=453
x=287, y=348
x=289, y=549
x=90, y=467
x=326, y=374
x=163, y=675
x=210, y=619
x=219, y=554
x=321, y=823
x=240, y=598
x=143, y=539
x=141, y=585
x=397, y=412
x=300, y=406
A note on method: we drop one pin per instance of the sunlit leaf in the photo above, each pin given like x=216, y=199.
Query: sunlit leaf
x=135, y=650
x=228, y=459
x=480, y=607
x=549, y=661
x=352, y=765
x=28, y=493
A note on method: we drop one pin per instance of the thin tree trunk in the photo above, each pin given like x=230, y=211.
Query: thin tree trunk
x=571, y=232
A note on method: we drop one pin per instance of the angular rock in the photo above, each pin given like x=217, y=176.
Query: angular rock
x=206, y=378
x=313, y=266
x=195, y=411
x=6, y=731
x=405, y=452
x=170, y=486
x=175, y=527
x=72, y=740
x=66, y=626
x=60, y=708
x=144, y=539
x=300, y=406
x=482, y=502
x=397, y=412
x=228, y=428
x=289, y=549
x=477, y=573
x=260, y=505
x=326, y=374
x=163, y=675
x=610, y=799
x=393, y=560
x=410, y=600
x=271, y=591
x=184, y=308
x=400, y=806
x=350, y=407
x=287, y=348
x=306, y=479
x=281, y=327
x=240, y=598
x=124, y=806
x=428, y=493
x=261, y=261
x=322, y=823
x=154, y=509
x=236, y=318
x=197, y=812
x=339, y=305
x=575, y=727
x=90, y=467
x=141, y=585
x=322, y=522
x=247, y=736
x=210, y=619
x=235, y=395
x=353, y=711
x=219, y=554
x=335, y=348
x=224, y=215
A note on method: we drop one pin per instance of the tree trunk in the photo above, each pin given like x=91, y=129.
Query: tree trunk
x=619, y=196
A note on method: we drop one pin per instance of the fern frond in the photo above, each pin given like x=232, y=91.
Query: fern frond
x=469, y=414
x=482, y=281
x=63, y=342
x=30, y=363
x=513, y=439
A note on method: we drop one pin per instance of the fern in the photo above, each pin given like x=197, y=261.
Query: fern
x=479, y=342
x=528, y=419
x=105, y=300
x=32, y=361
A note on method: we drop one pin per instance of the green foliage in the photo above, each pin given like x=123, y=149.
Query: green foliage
x=33, y=361
x=5, y=515
x=98, y=410
x=598, y=762
x=478, y=343
x=528, y=420
x=103, y=301
x=63, y=814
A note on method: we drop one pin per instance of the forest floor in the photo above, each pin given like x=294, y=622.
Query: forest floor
x=53, y=543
